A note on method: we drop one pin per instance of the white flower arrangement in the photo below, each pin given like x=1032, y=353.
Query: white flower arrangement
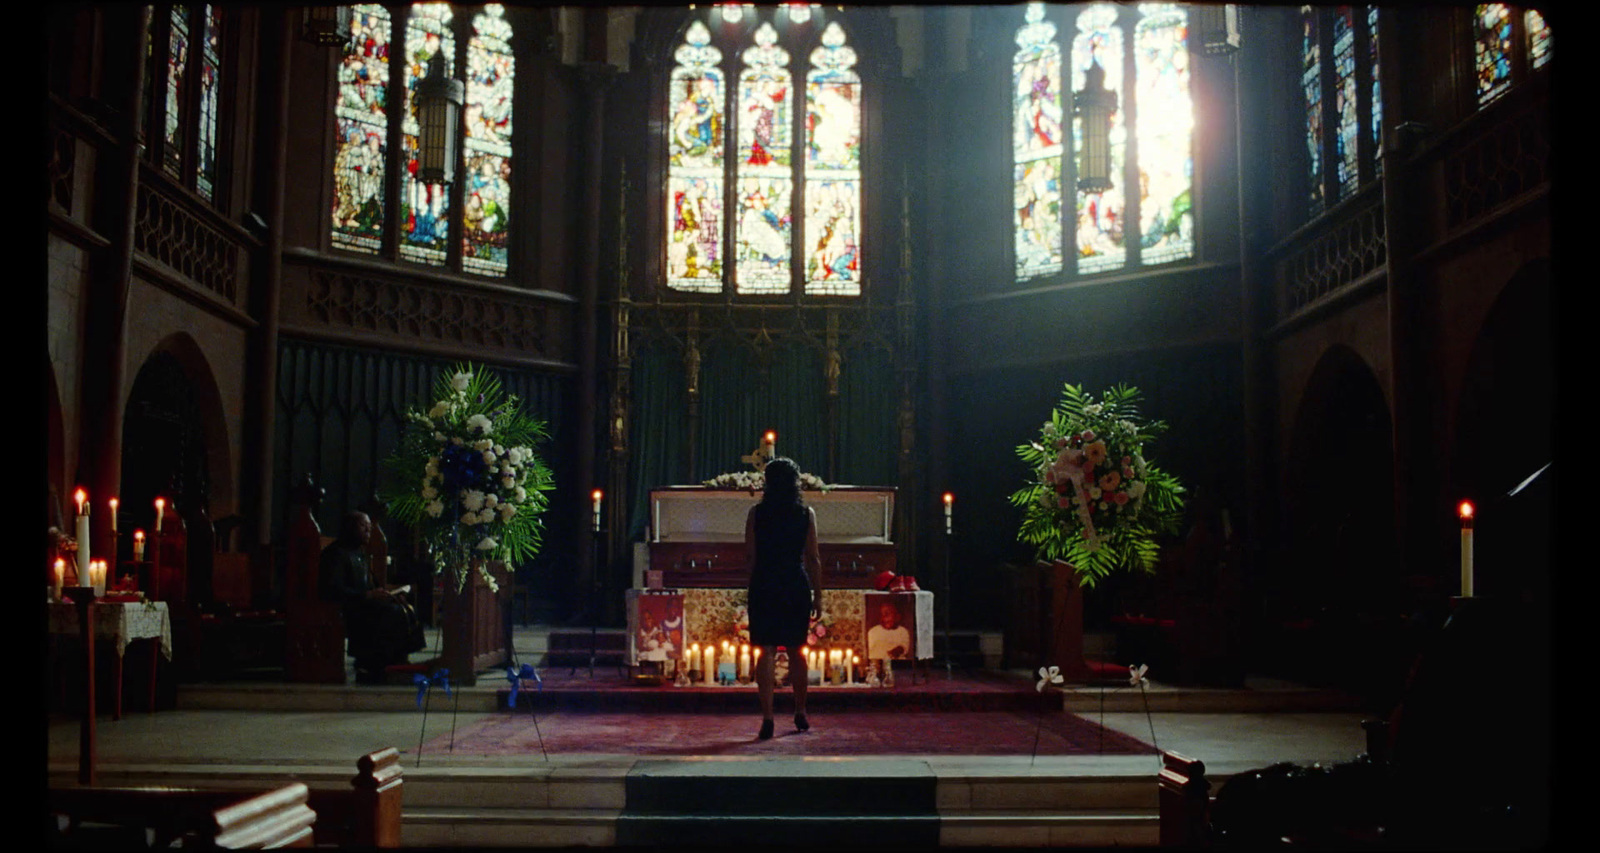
x=755, y=481
x=472, y=498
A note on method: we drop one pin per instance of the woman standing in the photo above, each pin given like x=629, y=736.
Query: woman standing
x=780, y=535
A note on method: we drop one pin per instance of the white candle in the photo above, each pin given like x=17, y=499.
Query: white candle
x=744, y=662
x=161, y=508
x=597, y=496
x=708, y=672
x=949, y=500
x=82, y=532
x=769, y=443
x=1466, y=511
x=138, y=546
x=113, y=515
x=850, y=671
x=60, y=579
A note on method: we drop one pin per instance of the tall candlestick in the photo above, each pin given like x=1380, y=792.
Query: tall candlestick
x=1466, y=511
x=161, y=509
x=138, y=546
x=949, y=499
x=597, y=496
x=769, y=444
x=113, y=516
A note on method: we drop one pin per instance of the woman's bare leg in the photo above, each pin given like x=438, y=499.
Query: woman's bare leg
x=798, y=676
x=764, y=681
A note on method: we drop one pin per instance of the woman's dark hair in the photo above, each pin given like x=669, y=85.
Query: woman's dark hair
x=783, y=482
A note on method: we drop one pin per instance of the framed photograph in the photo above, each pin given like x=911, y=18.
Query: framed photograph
x=658, y=635
x=891, y=623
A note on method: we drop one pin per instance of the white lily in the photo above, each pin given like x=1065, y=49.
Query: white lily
x=1048, y=675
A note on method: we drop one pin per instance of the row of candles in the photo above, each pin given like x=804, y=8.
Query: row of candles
x=731, y=662
x=92, y=572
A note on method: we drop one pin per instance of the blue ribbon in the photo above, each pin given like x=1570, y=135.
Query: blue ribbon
x=516, y=677
x=423, y=682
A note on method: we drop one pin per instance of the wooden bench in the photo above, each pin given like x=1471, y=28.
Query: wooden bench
x=368, y=814
x=1185, y=801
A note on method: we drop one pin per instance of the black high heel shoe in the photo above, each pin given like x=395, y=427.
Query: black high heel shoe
x=766, y=730
x=801, y=723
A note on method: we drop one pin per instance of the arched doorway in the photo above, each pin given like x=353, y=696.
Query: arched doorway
x=174, y=445
x=1342, y=590
x=1504, y=433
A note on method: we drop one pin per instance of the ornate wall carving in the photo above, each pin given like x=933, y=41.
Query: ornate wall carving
x=1344, y=251
x=444, y=316
x=170, y=234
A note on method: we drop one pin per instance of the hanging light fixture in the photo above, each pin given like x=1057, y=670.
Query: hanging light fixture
x=1217, y=28
x=326, y=25
x=439, y=100
x=1094, y=105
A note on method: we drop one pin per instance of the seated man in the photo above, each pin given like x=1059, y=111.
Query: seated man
x=382, y=628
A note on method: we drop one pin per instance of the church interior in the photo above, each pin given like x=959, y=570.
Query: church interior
x=276, y=233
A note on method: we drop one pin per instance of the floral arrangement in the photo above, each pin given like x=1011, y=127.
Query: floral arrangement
x=820, y=630
x=468, y=478
x=755, y=481
x=1094, y=501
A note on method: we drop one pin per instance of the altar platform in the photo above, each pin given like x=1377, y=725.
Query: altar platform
x=244, y=733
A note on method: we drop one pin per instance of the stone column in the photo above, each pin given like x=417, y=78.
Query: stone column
x=103, y=368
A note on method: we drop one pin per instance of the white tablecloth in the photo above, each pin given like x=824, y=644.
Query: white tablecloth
x=122, y=622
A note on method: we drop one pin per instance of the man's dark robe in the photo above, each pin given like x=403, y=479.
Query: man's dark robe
x=381, y=631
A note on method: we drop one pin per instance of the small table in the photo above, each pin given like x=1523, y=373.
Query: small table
x=122, y=623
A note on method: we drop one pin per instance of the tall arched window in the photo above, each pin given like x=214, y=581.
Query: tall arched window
x=1145, y=216
x=369, y=148
x=182, y=88
x=786, y=219
x=1507, y=45
x=1343, y=102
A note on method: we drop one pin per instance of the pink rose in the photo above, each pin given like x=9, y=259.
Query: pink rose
x=1120, y=498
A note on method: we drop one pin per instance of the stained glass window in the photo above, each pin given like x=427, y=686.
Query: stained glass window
x=765, y=168
x=1538, y=38
x=833, y=168
x=487, y=206
x=1346, y=165
x=1101, y=231
x=424, y=207
x=694, y=165
x=1165, y=134
x=1377, y=91
x=177, y=63
x=362, y=125
x=1492, y=34
x=1037, y=109
x=783, y=151
x=1311, y=84
x=206, y=166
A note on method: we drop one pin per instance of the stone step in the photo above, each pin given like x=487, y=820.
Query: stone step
x=458, y=827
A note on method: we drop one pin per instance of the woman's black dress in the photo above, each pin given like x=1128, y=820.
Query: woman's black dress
x=780, y=594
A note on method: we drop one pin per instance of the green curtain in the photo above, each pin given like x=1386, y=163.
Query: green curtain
x=658, y=443
x=869, y=406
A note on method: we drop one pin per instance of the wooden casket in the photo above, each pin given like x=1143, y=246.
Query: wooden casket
x=696, y=536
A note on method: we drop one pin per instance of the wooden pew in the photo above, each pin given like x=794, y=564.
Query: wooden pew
x=315, y=627
x=281, y=817
x=367, y=815
x=1184, y=800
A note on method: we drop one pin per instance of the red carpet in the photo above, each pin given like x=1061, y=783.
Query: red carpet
x=842, y=732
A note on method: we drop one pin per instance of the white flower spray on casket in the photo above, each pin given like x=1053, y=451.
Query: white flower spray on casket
x=468, y=478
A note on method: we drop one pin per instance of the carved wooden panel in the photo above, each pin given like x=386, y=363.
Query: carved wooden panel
x=401, y=311
x=1346, y=249
x=1508, y=158
x=173, y=235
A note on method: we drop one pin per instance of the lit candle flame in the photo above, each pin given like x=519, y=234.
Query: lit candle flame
x=80, y=496
x=1466, y=510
